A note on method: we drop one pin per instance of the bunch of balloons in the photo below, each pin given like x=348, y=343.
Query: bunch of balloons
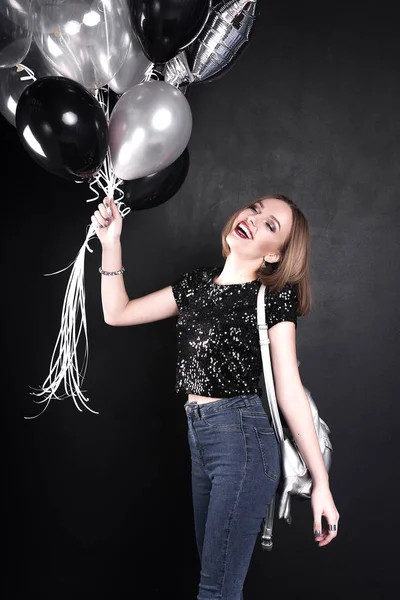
x=62, y=60
x=96, y=90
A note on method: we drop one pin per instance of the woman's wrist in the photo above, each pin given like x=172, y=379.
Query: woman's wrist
x=111, y=245
x=111, y=257
x=120, y=271
x=320, y=480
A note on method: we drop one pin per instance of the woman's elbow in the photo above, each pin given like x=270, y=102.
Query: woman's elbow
x=110, y=320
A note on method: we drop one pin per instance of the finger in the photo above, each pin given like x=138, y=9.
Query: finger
x=114, y=210
x=101, y=220
x=318, y=533
x=328, y=537
x=95, y=223
x=329, y=532
x=106, y=202
x=103, y=211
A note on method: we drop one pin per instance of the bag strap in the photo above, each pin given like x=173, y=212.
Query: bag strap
x=266, y=536
x=267, y=366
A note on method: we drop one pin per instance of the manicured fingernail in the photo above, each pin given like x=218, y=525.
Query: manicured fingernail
x=317, y=533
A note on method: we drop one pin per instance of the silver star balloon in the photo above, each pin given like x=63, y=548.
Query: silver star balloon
x=227, y=28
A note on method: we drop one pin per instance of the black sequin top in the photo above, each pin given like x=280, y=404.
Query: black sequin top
x=218, y=346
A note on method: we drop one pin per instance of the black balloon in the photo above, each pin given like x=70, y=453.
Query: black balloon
x=62, y=127
x=165, y=28
x=155, y=189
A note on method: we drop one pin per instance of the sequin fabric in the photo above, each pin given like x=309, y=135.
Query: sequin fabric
x=218, y=346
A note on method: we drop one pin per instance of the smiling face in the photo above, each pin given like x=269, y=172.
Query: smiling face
x=258, y=232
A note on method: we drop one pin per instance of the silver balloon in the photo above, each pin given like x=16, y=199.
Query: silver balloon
x=150, y=126
x=133, y=68
x=177, y=71
x=13, y=81
x=228, y=27
x=15, y=31
x=85, y=40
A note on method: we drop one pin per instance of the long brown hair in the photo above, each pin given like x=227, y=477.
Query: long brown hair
x=294, y=264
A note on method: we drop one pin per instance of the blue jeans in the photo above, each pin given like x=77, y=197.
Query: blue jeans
x=235, y=473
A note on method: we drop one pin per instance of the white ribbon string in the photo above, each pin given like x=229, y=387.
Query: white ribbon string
x=64, y=365
x=64, y=368
x=30, y=73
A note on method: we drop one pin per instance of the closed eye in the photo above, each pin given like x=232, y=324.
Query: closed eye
x=253, y=207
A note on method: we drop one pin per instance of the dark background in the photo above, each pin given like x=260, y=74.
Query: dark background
x=99, y=506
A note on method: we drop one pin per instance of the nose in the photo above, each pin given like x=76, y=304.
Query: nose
x=250, y=219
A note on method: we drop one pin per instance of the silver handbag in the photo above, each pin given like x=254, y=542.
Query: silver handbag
x=295, y=477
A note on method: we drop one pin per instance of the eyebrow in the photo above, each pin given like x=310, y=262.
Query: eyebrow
x=270, y=216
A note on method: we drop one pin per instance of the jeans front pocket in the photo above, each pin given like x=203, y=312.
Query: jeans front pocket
x=269, y=452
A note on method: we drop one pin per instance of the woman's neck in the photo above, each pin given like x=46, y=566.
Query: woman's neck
x=236, y=271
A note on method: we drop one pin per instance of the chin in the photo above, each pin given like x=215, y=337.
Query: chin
x=235, y=244
x=232, y=240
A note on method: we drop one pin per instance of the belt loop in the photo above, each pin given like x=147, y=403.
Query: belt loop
x=192, y=408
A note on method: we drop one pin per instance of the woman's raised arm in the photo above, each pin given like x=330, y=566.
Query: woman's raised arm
x=118, y=309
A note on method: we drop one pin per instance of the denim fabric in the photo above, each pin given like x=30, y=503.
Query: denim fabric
x=235, y=473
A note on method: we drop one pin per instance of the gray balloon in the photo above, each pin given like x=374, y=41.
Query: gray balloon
x=15, y=80
x=133, y=68
x=85, y=40
x=150, y=126
x=15, y=31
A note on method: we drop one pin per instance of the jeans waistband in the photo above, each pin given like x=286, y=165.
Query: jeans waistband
x=243, y=401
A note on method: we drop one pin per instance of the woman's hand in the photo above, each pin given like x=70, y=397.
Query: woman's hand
x=323, y=506
x=107, y=222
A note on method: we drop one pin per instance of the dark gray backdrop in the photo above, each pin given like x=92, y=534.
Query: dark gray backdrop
x=99, y=506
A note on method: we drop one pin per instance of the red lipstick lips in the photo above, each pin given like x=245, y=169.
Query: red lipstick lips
x=243, y=231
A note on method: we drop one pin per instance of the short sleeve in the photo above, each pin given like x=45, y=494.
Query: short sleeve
x=281, y=306
x=184, y=287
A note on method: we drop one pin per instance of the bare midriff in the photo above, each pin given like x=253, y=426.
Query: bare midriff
x=201, y=399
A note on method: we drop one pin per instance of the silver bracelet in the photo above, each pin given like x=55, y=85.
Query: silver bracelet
x=119, y=272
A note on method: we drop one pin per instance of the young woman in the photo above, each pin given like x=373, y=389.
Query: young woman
x=234, y=452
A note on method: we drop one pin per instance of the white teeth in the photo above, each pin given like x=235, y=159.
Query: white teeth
x=245, y=230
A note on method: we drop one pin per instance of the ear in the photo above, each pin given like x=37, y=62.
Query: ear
x=272, y=258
